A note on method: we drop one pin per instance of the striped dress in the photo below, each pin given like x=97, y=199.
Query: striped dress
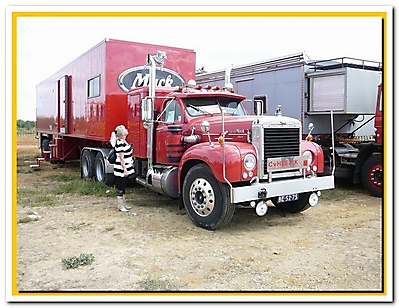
x=124, y=147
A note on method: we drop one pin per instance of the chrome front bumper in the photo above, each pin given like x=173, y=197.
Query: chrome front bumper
x=280, y=188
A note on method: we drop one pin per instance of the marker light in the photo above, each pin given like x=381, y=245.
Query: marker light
x=191, y=83
x=229, y=86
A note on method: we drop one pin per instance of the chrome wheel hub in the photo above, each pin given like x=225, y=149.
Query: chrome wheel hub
x=202, y=197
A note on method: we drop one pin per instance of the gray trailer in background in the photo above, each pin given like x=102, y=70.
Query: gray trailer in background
x=309, y=90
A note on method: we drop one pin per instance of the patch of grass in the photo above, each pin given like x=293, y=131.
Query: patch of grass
x=74, y=262
x=34, y=198
x=85, y=188
x=24, y=220
x=65, y=184
x=26, y=130
x=27, y=171
x=63, y=177
x=79, y=226
x=156, y=284
x=334, y=194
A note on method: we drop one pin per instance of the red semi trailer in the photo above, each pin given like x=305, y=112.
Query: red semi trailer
x=81, y=104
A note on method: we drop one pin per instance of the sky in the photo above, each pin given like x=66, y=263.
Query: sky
x=45, y=43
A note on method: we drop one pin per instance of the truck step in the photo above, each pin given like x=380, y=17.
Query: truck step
x=37, y=165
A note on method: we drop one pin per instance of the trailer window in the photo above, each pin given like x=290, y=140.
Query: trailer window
x=93, y=87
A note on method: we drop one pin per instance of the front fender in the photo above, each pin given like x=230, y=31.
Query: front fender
x=212, y=155
x=317, y=152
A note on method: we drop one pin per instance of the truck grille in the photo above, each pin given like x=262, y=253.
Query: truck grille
x=279, y=142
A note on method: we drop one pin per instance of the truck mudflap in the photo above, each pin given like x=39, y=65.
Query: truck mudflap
x=260, y=190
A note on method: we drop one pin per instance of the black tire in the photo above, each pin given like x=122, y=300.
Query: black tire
x=100, y=173
x=372, y=175
x=45, y=145
x=302, y=204
x=206, y=200
x=87, y=165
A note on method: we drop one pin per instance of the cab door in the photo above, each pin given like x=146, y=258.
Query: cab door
x=169, y=147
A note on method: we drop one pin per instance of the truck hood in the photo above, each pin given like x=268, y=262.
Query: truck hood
x=241, y=124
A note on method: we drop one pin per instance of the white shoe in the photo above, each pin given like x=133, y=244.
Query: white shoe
x=124, y=203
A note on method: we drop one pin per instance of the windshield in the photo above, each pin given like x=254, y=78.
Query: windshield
x=197, y=106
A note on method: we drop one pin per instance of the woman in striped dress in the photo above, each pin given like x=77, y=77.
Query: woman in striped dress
x=123, y=166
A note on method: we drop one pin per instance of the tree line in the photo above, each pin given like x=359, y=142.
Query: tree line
x=26, y=126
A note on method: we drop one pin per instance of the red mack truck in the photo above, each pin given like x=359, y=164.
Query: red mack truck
x=199, y=145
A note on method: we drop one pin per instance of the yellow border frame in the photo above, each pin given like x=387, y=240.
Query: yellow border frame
x=15, y=16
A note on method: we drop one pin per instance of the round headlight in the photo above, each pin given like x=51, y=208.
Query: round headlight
x=249, y=162
x=308, y=156
x=205, y=126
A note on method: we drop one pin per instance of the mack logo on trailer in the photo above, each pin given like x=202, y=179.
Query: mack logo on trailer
x=139, y=76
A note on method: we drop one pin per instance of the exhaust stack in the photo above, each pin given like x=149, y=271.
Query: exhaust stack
x=227, y=83
x=154, y=60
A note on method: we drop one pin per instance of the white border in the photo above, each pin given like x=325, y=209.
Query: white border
x=210, y=297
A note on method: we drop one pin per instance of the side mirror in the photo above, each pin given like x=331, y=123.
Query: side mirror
x=146, y=109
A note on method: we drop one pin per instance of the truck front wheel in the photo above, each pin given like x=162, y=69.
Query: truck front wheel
x=300, y=205
x=207, y=201
x=372, y=175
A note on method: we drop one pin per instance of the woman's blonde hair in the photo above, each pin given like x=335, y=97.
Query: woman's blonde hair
x=117, y=133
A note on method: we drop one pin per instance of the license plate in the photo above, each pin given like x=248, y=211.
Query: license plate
x=287, y=198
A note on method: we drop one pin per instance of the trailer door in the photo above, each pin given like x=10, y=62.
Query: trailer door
x=64, y=103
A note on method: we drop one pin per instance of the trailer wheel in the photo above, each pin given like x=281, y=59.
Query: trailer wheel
x=206, y=200
x=298, y=206
x=372, y=175
x=100, y=173
x=87, y=165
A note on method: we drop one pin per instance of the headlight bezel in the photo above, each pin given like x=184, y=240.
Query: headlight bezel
x=249, y=162
x=308, y=155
